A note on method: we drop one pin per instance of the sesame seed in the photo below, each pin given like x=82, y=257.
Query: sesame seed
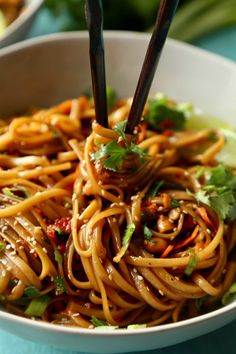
x=4, y=273
x=161, y=292
x=32, y=250
x=110, y=276
x=9, y=269
x=18, y=241
x=177, y=278
x=8, y=247
x=21, y=247
x=13, y=253
x=140, y=277
x=208, y=231
x=45, y=250
x=99, y=183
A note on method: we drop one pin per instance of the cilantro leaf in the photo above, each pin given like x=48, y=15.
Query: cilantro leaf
x=161, y=117
x=147, y=233
x=120, y=129
x=219, y=192
x=114, y=154
x=60, y=284
x=175, y=203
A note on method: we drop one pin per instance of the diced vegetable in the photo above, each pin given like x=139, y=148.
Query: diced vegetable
x=193, y=260
x=38, y=306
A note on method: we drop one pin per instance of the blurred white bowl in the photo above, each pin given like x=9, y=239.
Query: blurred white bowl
x=44, y=71
x=18, y=28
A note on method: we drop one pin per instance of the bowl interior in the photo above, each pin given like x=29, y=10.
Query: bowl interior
x=42, y=72
x=46, y=71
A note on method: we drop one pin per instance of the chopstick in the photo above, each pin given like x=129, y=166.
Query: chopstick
x=165, y=14
x=94, y=16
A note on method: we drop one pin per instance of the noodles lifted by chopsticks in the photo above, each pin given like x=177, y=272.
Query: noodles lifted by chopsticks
x=99, y=227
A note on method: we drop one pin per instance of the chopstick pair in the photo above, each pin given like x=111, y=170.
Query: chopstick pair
x=164, y=18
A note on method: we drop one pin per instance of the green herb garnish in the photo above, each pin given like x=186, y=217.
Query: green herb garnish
x=193, y=260
x=175, y=203
x=2, y=246
x=97, y=323
x=161, y=116
x=15, y=192
x=31, y=292
x=58, y=257
x=219, y=192
x=114, y=154
x=60, y=284
x=147, y=233
x=230, y=295
x=37, y=307
x=125, y=242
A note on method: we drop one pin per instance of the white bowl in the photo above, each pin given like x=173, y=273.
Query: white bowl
x=18, y=28
x=47, y=70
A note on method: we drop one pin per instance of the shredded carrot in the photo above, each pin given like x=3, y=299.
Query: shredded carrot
x=203, y=213
x=189, y=239
x=65, y=107
x=83, y=103
x=166, y=200
x=167, y=251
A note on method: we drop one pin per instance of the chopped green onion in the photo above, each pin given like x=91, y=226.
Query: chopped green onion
x=136, y=326
x=175, y=203
x=38, y=306
x=58, y=257
x=60, y=284
x=155, y=189
x=230, y=295
x=2, y=246
x=125, y=242
x=98, y=323
x=2, y=298
x=193, y=260
x=31, y=291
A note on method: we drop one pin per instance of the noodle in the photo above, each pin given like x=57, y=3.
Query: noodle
x=119, y=244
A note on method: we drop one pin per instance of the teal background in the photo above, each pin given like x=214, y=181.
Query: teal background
x=218, y=342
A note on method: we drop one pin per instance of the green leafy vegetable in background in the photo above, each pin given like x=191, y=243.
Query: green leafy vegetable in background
x=220, y=192
x=194, y=18
x=163, y=114
x=230, y=295
x=199, y=17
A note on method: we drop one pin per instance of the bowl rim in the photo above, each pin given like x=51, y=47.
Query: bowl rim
x=111, y=34
x=28, y=10
x=54, y=328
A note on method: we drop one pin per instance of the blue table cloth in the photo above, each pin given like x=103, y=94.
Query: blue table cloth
x=218, y=342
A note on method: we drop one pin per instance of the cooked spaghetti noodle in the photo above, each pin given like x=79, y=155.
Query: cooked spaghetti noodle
x=121, y=245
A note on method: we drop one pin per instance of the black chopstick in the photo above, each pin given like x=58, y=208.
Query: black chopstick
x=94, y=15
x=165, y=14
